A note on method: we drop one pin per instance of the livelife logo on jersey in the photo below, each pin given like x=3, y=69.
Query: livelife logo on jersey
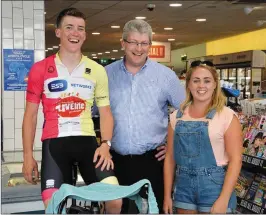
x=71, y=106
x=57, y=86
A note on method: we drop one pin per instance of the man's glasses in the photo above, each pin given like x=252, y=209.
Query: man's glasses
x=135, y=44
x=198, y=63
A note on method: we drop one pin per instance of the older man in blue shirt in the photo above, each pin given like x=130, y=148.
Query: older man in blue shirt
x=140, y=92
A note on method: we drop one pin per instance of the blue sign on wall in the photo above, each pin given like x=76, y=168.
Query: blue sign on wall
x=17, y=64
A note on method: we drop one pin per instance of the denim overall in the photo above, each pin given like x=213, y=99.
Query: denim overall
x=199, y=180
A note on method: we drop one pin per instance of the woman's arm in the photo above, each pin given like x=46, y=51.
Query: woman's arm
x=234, y=147
x=169, y=166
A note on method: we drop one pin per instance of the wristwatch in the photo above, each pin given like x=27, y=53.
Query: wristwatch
x=108, y=142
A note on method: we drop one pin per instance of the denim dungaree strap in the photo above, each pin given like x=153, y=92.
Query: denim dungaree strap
x=197, y=168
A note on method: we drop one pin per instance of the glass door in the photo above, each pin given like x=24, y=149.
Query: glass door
x=224, y=74
x=232, y=78
x=248, y=83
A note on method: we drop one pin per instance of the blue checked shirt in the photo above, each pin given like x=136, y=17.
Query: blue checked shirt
x=139, y=104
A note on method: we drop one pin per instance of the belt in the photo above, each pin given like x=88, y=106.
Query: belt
x=146, y=154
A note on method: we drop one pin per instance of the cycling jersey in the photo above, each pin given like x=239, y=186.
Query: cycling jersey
x=66, y=97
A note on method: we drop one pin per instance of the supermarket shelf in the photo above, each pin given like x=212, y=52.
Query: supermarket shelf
x=254, y=164
x=253, y=208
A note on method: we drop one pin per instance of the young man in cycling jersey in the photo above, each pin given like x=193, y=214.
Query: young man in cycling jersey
x=67, y=84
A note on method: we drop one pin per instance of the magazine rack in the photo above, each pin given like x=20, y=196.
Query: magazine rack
x=251, y=184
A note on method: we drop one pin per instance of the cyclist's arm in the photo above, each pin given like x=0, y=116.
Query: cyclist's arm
x=106, y=122
x=29, y=128
x=103, y=104
x=33, y=98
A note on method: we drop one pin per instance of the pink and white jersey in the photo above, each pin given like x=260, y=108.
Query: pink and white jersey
x=217, y=128
x=67, y=98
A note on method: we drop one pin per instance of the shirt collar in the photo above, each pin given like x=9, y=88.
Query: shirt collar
x=59, y=62
x=123, y=66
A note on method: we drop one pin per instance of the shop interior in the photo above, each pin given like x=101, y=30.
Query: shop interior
x=230, y=33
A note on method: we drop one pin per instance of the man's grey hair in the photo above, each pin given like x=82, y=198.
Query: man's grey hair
x=137, y=25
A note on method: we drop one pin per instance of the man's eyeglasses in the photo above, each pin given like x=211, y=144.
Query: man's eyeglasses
x=134, y=43
x=198, y=63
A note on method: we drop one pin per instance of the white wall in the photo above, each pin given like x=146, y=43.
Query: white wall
x=23, y=27
x=191, y=52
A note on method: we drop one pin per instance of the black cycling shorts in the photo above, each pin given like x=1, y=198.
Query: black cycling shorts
x=58, y=156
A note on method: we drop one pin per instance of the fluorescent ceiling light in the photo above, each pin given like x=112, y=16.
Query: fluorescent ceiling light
x=46, y=50
x=168, y=29
x=122, y=57
x=248, y=10
x=100, y=53
x=261, y=22
x=115, y=26
x=112, y=58
x=50, y=48
x=140, y=17
x=201, y=20
x=107, y=52
x=93, y=54
x=115, y=50
x=95, y=33
x=55, y=47
x=171, y=39
x=94, y=57
x=175, y=5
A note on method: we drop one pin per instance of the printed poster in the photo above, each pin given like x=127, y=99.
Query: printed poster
x=17, y=64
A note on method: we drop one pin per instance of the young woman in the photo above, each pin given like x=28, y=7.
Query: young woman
x=204, y=151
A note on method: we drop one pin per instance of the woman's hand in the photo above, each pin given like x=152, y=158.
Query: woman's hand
x=168, y=205
x=219, y=206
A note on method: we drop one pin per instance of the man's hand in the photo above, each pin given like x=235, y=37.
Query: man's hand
x=161, y=152
x=29, y=166
x=105, y=157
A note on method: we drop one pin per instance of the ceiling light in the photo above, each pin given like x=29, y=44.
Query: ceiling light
x=175, y=5
x=115, y=50
x=248, y=10
x=93, y=54
x=50, y=48
x=44, y=13
x=115, y=26
x=100, y=53
x=140, y=17
x=112, y=58
x=94, y=57
x=200, y=20
x=107, y=52
x=55, y=47
x=46, y=50
x=153, y=32
x=95, y=33
x=261, y=22
x=122, y=57
x=168, y=29
x=171, y=39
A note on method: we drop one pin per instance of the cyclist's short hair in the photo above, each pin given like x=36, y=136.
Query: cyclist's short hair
x=68, y=12
x=137, y=25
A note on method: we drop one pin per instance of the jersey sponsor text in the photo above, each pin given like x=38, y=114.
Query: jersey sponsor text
x=70, y=106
